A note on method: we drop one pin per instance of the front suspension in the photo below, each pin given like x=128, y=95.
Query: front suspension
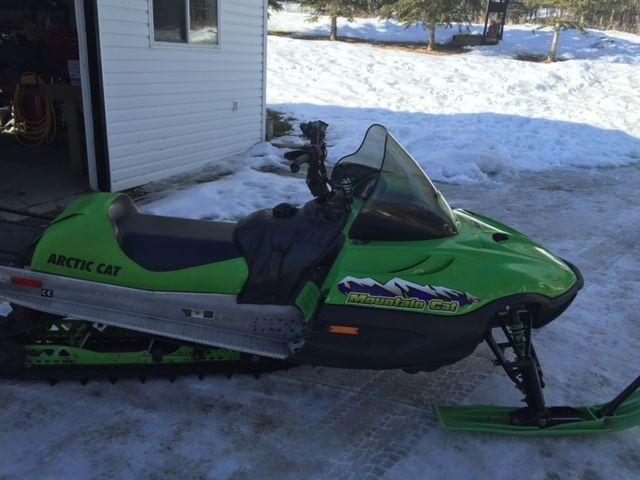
x=524, y=369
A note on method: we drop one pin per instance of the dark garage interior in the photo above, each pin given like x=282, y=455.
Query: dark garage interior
x=43, y=160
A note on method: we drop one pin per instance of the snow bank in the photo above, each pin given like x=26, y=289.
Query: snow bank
x=247, y=189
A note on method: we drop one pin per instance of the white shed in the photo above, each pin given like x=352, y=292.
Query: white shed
x=169, y=85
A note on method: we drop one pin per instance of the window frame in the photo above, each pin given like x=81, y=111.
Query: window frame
x=153, y=43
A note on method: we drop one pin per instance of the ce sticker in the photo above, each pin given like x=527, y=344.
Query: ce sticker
x=45, y=292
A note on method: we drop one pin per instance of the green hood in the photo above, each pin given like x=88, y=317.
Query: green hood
x=483, y=262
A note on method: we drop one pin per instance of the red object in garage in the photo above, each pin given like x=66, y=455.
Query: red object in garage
x=33, y=108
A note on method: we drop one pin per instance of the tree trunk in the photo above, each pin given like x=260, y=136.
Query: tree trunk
x=554, y=44
x=432, y=36
x=334, y=28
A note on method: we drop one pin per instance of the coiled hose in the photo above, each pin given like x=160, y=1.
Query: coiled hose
x=33, y=132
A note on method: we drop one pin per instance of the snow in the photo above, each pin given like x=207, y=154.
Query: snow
x=246, y=189
x=550, y=149
x=589, y=354
x=473, y=117
x=328, y=423
x=467, y=117
x=612, y=45
x=365, y=28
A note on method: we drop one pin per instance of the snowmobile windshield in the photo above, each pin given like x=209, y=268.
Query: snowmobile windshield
x=400, y=202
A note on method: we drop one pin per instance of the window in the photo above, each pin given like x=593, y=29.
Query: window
x=193, y=22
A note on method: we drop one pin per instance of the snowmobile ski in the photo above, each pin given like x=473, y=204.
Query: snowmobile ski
x=561, y=420
x=523, y=368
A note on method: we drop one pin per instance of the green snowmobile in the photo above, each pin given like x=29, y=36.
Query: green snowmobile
x=377, y=272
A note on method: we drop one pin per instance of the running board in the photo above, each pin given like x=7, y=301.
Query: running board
x=275, y=331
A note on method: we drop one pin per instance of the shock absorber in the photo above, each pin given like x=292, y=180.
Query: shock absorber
x=518, y=333
x=519, y=327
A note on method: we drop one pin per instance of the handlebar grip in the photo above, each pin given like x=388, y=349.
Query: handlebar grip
x=298, y=158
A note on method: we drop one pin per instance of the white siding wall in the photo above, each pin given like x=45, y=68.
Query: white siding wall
x=170, y=109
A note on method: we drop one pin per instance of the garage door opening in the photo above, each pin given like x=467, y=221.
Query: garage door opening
x=43, y=137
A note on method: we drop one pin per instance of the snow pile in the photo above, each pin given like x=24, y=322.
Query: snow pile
x=246, y=189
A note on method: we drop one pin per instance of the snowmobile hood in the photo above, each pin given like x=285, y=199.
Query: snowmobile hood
x=537, y=269
x=484, y=262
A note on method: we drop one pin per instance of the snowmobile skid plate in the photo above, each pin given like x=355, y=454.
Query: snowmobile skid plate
x=493, y=419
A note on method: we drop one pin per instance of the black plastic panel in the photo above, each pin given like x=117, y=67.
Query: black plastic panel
x=16, y=242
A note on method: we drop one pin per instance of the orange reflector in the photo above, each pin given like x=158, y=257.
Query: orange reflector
x=26, y=282
x=343, y=330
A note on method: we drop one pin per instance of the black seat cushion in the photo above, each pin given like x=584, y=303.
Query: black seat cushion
x=163, y=244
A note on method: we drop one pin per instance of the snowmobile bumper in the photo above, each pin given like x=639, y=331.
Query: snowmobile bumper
x=621, y=413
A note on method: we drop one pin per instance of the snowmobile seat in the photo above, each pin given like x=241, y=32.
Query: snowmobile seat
x=163, y=244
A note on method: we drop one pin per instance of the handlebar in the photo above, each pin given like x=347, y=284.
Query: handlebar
x=298, y=158
x=314, y=156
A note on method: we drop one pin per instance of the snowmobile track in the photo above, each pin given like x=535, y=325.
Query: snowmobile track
x=85, y=374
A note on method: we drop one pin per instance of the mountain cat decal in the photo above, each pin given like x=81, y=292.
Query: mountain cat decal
x=403, y=295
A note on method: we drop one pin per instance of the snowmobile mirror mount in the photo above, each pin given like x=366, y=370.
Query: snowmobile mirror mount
x=317, y=179
x=314, y=156
x=315, y=131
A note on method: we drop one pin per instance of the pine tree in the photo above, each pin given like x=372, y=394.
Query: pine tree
x=614, y=14
x=561, y=15
x=275, y=5
x=334, y=9
x=431, y=13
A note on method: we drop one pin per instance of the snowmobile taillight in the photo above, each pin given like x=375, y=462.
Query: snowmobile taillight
x=343, y=330
x=26, y=282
